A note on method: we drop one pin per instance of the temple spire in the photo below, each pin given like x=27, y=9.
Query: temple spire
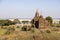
x=40, y=13
x=37, y=13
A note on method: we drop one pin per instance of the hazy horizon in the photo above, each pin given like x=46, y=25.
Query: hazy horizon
x=27, y=8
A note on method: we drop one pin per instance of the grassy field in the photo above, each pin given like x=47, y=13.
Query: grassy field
x=16, y=33
x=2, y=31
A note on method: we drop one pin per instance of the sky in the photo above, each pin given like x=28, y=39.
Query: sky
x=27, y=8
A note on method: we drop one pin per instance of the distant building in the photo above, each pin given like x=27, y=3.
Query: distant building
x=56, y=20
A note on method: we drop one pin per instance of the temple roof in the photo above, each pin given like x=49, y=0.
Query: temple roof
x=37, y=13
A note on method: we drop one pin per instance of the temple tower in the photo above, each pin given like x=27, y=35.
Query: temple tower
x=39, y=21
x=36, y=18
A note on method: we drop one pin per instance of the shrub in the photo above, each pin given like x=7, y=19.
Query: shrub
x=59, y=22
x=9, y=30
x=6, y=22
x=49, y=19
x=58, y=25
x=18, y=27
x=16, y=21
x=24, y=28
x=52, y=25
x=48, y=31
x=32, y=30
x=55, y=29
x=1, y=27
x=4, y=27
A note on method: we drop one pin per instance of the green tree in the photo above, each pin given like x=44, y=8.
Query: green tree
x=6, y=22
x=16, y=21
x=59, y=22
x=24, y=28
x=49, y=19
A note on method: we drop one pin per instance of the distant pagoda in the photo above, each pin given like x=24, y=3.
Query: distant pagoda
x=39, y=21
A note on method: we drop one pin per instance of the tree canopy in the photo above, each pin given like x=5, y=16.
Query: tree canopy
x=16, y=21
x=49, y=19
x=5, y=22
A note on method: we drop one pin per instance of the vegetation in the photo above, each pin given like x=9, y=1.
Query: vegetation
x=59, y=22
x=25, y=22
x=6, y=22
x=9, y=30
x=55, y=29
x=24, y=28
x=48, y=34
x=2, y=31
x=48, y=31
x=18, y=27
x=49, y=19
x=16, y=21
x=32, y=30
x=52, y=25
x=15, y=33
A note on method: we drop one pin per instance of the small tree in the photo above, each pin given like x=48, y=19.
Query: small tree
x=48, y=31
x=59, y=22
x=16, y=21
x=49, y=19
x=24, y=28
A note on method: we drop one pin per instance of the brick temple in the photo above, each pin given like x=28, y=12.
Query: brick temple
x=39, y=21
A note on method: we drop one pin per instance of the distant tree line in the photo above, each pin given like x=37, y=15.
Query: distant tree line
x=6, y=22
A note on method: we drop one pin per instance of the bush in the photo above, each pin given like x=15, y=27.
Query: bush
x=6, y=22
x=2, y=27
x=48, y=31
x=59, y=22
x=16, y=21
x=53, y=25
x=24, y=28
x=49, y=19
x=18, y=27
x=55, y=29
x=32, y=30
x=9, y=30
x=58, y=25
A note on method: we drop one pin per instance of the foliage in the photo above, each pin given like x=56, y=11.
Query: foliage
x=16, y=21
x=4, y=27
x=53, y=25
x=9, y=30
x=5, y=22
x=32, y=30
x=2, y=31
x=57, y=25
x=18, y=27
x=59, y=22
x=24, y=28
x=48, y=31
x=49, y=19
x=25, y=22
x=55, y=29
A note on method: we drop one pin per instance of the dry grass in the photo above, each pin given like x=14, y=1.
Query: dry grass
x=36, y=34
